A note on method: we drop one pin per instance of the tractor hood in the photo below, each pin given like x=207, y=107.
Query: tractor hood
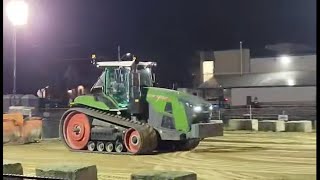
x=186, y=109
x=177, y=95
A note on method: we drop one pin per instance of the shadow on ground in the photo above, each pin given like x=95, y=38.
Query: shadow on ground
x=228, y=149
x=254, y=142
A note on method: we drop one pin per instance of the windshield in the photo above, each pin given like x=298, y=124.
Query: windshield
x=145, y=77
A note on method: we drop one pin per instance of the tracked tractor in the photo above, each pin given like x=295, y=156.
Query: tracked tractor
x=125, y=114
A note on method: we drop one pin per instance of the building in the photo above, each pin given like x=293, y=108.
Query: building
x=239, y=78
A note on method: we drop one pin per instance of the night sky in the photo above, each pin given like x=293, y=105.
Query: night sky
x=167, y=31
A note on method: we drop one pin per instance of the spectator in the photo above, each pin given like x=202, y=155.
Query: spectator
x=256, y=103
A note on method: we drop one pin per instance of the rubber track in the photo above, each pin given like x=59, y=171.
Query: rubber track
x=147, y=133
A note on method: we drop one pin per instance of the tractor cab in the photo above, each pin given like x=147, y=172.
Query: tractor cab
x=123, y=81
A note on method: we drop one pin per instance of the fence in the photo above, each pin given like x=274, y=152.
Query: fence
x=51, y=121
x=307, y=112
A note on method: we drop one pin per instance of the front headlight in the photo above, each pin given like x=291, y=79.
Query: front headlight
x=197, y=109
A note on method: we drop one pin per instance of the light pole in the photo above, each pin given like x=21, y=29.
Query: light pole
x=14, y=91
x=125, y=55
x=241, y=68
x=17, y=12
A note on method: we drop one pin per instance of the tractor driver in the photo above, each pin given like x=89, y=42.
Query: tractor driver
x=113, y=85
x=117, y=87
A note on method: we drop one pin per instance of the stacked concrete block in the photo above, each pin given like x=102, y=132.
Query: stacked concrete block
x=12, y=168
x=243, y=124
x=216, y=121
x=271, y=125
x=164, y=175
x=15, y=100
x=24, y=110
x=299, y=126
x=30, y=100
x=69, y=172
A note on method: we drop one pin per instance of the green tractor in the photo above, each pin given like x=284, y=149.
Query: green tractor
x=125, y=114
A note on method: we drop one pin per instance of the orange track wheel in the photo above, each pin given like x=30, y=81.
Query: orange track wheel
x=76, y=130
x=132, y=140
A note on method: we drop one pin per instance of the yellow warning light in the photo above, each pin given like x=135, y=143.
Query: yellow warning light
x=93, y=56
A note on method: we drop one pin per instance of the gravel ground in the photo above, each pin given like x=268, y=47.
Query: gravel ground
x=236, y=155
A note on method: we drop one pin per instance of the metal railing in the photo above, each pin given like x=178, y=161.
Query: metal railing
x=267, y=112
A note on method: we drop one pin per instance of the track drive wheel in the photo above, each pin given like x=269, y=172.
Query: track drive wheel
x=132, y=140
x=100, y=146
x=76, y=130
x=109, y=147
x=142, y=141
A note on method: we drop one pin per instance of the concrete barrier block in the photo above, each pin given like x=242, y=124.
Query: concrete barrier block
x=12, y=168
x=271, y=125
x=216, y=121
x=299, y=126
x=164, y=175
x=243, y=124
x=68, y=172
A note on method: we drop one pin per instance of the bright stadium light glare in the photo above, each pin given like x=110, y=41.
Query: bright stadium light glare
x=17, y=12
x=291, y=82
x=285, y=59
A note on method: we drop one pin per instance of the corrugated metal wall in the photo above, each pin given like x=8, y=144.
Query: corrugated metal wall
x=273, y=64
x=273, y=94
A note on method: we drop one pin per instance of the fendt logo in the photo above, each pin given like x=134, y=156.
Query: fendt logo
x=158, y=97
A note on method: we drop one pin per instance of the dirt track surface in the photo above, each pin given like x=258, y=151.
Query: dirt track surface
x=236, y=155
